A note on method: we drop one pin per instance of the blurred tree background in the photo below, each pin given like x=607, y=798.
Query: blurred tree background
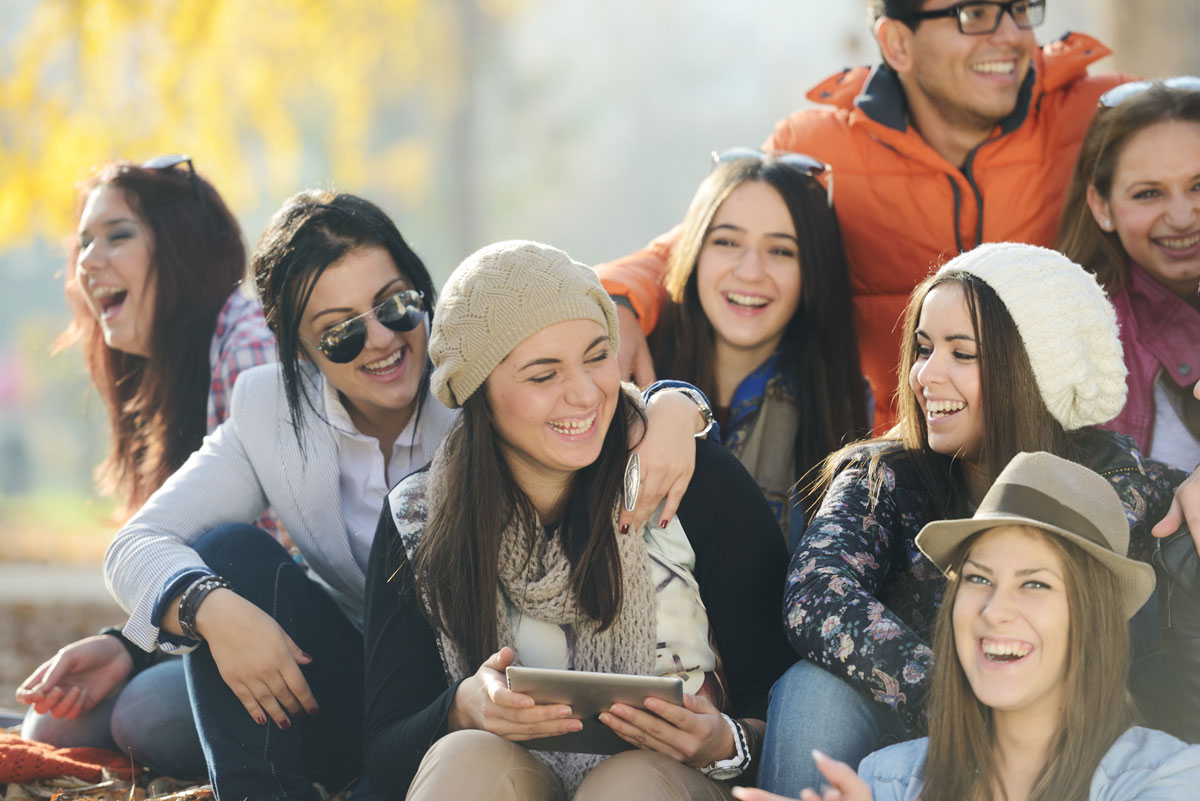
x=582, y=123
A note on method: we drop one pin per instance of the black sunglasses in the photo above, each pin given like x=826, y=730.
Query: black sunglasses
x=1119, y=94
x=400, y=312
x=806, y=164
x=983, y=17
x=170, y=162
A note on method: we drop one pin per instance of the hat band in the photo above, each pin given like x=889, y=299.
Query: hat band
x=1022, y=501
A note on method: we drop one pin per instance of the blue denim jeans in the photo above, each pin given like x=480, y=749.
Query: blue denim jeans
x=812, y=708
x=148, y=716
x=246, y=760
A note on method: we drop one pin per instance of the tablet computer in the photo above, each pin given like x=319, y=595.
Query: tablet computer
x=589, y=694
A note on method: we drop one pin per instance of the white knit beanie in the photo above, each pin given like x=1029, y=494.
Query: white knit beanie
x=499, y=296
x=1066, y=322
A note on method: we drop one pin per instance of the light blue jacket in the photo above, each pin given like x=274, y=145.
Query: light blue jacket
x=1142, y=765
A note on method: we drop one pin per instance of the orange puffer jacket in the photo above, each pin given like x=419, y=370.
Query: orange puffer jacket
x=903, y=208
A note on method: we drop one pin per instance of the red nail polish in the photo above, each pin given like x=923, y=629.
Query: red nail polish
x=306, y=656
x=286, y=724
x=260, y=720
x=663, y=523
x=625, y=529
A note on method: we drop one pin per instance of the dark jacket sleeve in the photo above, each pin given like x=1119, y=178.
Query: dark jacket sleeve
x=740, y=561
x=407, y=697
x=832, y=610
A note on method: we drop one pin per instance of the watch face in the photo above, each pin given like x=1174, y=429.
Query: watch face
x=721, y=774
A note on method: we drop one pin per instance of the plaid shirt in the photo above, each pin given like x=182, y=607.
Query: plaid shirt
x=241, y=341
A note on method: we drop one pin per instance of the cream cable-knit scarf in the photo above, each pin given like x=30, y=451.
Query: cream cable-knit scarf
x=535, y=579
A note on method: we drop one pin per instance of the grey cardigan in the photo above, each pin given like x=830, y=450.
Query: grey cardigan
x=251, y=462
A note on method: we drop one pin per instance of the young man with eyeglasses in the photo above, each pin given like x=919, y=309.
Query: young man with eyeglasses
x=966, y=133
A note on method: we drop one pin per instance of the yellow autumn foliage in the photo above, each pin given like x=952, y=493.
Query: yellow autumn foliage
x=256, y=91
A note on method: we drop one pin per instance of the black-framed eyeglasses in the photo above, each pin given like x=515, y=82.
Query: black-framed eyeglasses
x=172, y=161
x=983, y=16
x=400, y=312
x=1119, y=94
x=813, y=168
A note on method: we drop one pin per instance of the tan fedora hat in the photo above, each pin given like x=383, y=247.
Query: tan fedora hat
x=1044, y=491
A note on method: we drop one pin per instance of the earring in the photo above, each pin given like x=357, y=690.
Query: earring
x=1107, y=225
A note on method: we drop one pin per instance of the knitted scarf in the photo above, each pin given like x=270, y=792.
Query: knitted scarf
x=535, y=580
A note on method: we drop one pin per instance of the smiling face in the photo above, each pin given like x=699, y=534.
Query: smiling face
x=1012, y=621
x=552, y=400
x=748, y=270
x=1154, y=204
x=966, y=81
x=945, y=373
x=114, y=272
x=379, y=386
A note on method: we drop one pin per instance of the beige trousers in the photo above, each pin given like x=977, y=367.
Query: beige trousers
x=478, y=766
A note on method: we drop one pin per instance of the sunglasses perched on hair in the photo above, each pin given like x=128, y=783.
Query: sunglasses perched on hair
x=1119, y=94
x=166, y=163
x=400, y=312
x=798, y=161
x=983, y=17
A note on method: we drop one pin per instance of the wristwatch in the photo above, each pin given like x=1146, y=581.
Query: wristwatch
x=736, y=765
x=706, y=412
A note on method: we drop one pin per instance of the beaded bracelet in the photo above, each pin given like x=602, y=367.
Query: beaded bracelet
x=190, y=602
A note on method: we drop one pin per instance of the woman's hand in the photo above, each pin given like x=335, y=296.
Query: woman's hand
x=695, y=734
x=484, y=702
x=844, y=785
x=255, y=657
x=1185, y=507
x=667, y=457
x=77, y=678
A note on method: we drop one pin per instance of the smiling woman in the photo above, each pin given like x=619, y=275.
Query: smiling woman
x=509, y=547
x=1132, y=217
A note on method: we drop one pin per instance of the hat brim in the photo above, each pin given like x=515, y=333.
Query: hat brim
x=940, y=539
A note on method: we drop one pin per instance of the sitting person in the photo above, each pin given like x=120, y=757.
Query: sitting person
x=318, y=438
x=507, y=548
x=1028, y=698
x=154, y=287
x=1009, y=348
x=759, y=318
x=1132, y=217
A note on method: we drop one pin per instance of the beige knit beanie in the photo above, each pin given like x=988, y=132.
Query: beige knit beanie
x=1066, y=322
x=497, y=297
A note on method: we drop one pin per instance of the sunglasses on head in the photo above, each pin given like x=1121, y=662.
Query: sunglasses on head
x=165, y=163
x=798, y=161
x=983, y=17
x=1119, y=94
x=400, y=312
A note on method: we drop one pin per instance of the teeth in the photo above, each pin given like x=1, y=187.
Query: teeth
x=746, y=300
x=106, y=291
x=1005, y=650
x=1180, y=243
x=995, y=67
x=573, y=426
x=944, y=407
x=384, y=363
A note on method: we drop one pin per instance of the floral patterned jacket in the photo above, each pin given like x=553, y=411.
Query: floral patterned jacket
x=860, y=598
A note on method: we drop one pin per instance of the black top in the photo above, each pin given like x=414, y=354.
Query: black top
x=740, y=562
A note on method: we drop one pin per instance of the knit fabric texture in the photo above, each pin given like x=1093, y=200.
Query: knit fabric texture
x=499, y=296
x=28, y=760
x=1066, y=322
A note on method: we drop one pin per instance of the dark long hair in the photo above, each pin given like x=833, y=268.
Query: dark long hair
x=1098, y=708
x=312, y=231
x=1079, y=237
x=1015, y=417
x=819, y=350
x=455, y=565
x=157, y=404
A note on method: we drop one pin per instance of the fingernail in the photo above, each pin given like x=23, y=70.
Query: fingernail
x=285, y=724
x=306, y=656
x=662, y=523
x=577, y=725
x=625, y=529
x=260, y=720
x=819, y=755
